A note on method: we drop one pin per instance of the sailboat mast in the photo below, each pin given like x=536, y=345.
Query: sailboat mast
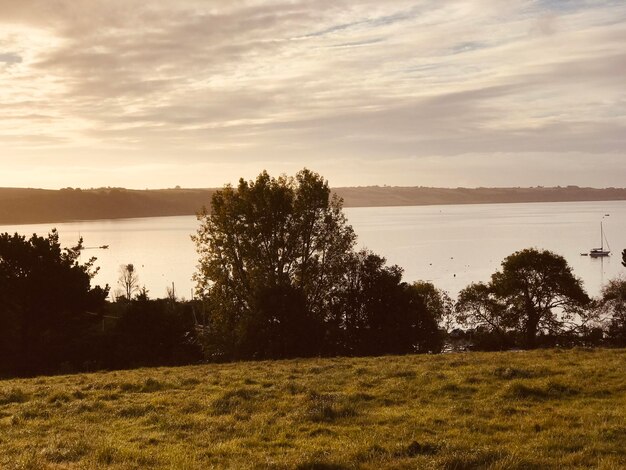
x=601, y=237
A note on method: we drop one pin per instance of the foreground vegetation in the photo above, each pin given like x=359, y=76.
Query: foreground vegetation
x=539, y=409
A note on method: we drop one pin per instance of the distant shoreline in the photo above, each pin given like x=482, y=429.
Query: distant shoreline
x=34, y=206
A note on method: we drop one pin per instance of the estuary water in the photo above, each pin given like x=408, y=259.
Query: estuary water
x=450, y=245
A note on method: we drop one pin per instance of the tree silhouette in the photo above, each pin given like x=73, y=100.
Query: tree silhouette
x=282, y=235
x=149, y=333
x=369, y=306
x=374, y=312
x=479, y=308
x=280, y=278
x=613, y=306
x=45, y=298
x=535, y=291
x=436, y=301
x=128, y=280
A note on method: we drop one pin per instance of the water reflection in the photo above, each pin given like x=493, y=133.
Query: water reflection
x=448, y=245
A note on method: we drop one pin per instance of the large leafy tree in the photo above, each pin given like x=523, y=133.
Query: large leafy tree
x=46, y=299
x=370, y=307
x=534, y=292
x=479, y=308
x=428, y=308
x=436, y=302
x=374, y=312
x=286, y=236
x=612, y=307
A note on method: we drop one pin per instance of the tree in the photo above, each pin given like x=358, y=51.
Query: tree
x=534, y=292
x=128, y=280
x=280, y=278
x=46, y=300
x=612, y=307
x=282, y=325
x=429, y=308
x=368, y=306
x=437, y=302
x=479, y=308
x=375, y=313
x=624, y=257
x=285, y=234
x=149, y=333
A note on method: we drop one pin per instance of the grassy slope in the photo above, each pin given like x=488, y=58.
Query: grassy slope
x=542, y=409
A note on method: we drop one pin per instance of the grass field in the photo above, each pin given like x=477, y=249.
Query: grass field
x=540, y=409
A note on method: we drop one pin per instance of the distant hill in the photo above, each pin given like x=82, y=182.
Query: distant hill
x=372, y=196
x=24, y=206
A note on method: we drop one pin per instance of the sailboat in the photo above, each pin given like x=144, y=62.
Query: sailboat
x=601, y=252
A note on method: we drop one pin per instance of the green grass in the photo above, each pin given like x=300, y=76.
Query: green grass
x=525, y=410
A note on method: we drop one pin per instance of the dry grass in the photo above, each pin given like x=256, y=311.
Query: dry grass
x=526, y=410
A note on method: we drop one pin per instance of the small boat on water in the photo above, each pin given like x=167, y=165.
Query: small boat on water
x=601, y=252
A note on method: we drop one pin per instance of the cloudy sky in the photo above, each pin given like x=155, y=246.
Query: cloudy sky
x=197, y=93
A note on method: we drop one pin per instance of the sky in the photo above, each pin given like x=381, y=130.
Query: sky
x=197, y=93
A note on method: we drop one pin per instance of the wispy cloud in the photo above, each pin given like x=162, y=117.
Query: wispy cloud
x=10, y=58
x=387, y=88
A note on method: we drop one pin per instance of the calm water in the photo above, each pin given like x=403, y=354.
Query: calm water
x=448, y=245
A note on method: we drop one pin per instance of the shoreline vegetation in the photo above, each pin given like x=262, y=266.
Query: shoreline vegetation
x=31, y=206
x=279, y=276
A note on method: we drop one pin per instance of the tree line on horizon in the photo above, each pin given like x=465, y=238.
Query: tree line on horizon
x=29, y=205
x=279, y=277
